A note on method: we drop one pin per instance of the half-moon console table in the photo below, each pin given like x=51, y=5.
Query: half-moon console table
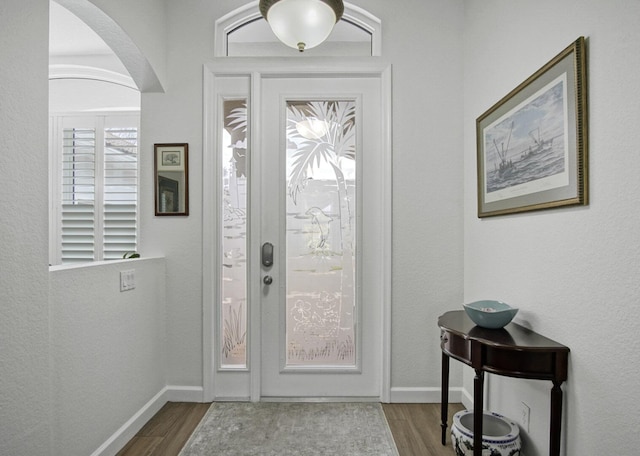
x=513, y=351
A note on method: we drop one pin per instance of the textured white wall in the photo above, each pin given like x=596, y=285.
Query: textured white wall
x=24, y=320
x=85, y=95
x=423, y=41
x=78, y=358
x=108, y=349
x=145, y=23
x=573, y=272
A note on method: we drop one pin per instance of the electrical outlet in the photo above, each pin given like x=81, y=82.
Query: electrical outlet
x=127, y=280
x=525, y=413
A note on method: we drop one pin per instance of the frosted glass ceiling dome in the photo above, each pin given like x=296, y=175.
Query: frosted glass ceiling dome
x=302, y=24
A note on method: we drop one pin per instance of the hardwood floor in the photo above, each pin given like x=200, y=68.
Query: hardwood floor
x=166, y=433
x=415, y=429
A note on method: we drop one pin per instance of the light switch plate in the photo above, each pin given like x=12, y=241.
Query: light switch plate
x=127, y=280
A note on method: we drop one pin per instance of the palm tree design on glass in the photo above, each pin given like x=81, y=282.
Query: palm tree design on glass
x=321, y=155
x=236, y=123
x=234, y=228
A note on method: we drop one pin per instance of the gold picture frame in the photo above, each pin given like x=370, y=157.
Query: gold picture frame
x=532, y=144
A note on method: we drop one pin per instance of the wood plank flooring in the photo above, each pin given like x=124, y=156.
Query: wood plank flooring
x=415, y=429
x=166, y=433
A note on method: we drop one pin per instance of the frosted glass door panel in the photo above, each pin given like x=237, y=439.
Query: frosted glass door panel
x=320, y=233
x=233, y=311
x=320, y=301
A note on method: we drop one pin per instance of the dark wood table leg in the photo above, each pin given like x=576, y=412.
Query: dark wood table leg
x=478, y=406
x=444, y=398
x=556, y=419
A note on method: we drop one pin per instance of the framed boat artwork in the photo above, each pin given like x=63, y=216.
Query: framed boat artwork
x=532, y=144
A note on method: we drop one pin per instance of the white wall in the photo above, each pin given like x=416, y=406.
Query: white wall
x=78, y=358
x=90, y=96
x=423, y=41
x=134, y=30
x=108, y=349
x=145, y=22
x=574, y=271
x=24, y=320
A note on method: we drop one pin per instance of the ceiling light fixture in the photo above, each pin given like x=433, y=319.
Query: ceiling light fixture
x=302, y=24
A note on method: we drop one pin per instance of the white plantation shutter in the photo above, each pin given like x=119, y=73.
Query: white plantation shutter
x=120, y=191
x=95, y=214
x=78, y=195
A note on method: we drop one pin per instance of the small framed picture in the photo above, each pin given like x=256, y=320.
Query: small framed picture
x=170, y=157
x=532, y=144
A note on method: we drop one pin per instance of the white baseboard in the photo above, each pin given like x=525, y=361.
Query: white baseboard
x=423, y=395
x=129, y=429
x=185, y=393
x=467, y=399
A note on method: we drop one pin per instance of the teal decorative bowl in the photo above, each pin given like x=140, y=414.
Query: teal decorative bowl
x=490, y=314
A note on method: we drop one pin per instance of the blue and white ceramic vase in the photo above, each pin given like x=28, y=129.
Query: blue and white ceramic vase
x=500, y=435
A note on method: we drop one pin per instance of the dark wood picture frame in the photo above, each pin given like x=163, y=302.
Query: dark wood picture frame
x=171, y=179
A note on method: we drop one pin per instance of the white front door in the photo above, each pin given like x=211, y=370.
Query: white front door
x=321, y=307
x=312, y=239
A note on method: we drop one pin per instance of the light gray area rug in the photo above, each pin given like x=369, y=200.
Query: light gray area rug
x=300, y=429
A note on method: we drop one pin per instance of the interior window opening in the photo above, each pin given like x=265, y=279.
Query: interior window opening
x=94, y=110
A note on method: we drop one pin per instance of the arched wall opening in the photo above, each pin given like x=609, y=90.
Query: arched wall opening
x=85, y=73
x=136, y=63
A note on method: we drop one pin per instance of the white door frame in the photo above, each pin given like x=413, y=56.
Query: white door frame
x=255, y=69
